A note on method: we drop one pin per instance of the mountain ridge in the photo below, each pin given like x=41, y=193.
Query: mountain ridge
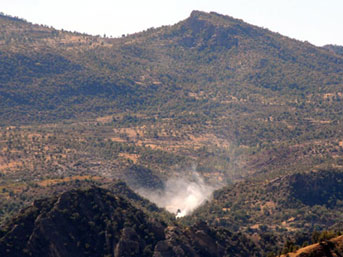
x=97, y=223
x=208, y=32
x=289, y=204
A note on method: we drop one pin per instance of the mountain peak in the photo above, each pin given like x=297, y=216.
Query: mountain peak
x=213, y=17
x=197, y=13
x=203, y=14
x=211, y=30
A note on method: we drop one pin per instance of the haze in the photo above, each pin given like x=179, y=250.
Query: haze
x=316, y=21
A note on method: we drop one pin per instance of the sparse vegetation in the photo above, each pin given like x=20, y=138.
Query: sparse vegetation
x=210, y=93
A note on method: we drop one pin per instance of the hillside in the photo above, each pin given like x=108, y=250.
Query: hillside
x=210, y=72
x=93, y=222
x=288, y=205
x=333, y=247
x=97, y=221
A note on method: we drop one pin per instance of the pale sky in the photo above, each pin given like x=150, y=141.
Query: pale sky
x=317, y=21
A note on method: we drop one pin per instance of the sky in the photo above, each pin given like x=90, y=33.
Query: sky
x=316, y=21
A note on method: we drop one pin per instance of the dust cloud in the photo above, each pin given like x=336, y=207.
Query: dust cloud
x=181, y=195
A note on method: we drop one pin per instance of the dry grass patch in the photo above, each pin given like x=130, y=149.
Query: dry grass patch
x=132, y=157
x=49, y=182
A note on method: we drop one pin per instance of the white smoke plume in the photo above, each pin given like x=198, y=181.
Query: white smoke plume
x=181, y=195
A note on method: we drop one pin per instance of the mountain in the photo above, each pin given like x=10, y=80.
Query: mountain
x=231, y=98
x=211, y=95
x=228, y=77
x=93, y=222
